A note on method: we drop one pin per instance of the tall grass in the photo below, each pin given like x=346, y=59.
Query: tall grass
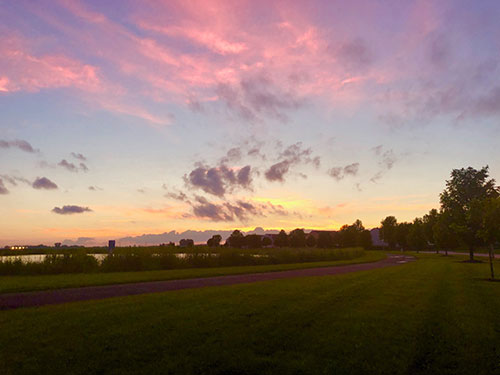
x=143, y=259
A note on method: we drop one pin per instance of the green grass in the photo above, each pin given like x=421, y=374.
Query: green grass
x=433, y=316
x=10, y=284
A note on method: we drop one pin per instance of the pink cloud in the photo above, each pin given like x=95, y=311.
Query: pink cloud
x=217, y=52
x=27, y=72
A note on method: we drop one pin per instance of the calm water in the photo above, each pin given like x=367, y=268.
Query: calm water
x=38, y=258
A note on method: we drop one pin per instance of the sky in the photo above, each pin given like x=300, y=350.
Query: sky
x=123, y=118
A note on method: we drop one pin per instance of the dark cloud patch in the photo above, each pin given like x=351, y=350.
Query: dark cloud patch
x=70, y=210
x=94, y=188
x=178, y=196
x=3, y=189
x=278, y=171
x=292, y=155
x=244, y=176
x=79, y=156
x=219, y=180
x=351, y=169
x=316, y=161
x=295, y=153
x=354, y=55
x=256, y=152
x=233, y=155
x=142, y=191
x=43, y=183
x=256, y=96
x=340, y=173
x=210, y=180
x=69, y=166
x=336, y=173
x=203, y=208
x=231, y=211
x=72, y=167
x=386, y=160
x=19, y=144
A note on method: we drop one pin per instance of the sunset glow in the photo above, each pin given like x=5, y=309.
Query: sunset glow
x=125, y=118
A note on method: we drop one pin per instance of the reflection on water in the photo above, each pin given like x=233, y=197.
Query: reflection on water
x=39, y=258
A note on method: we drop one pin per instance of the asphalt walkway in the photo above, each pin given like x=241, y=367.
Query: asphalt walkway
x=58, y=296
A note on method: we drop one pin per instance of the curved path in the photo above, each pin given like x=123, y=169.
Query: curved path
x=52, y=297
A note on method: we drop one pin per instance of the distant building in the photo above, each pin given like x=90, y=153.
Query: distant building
x=376, y=241
x=111, y=246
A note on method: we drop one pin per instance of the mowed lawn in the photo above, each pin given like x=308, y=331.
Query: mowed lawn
x=433, y=316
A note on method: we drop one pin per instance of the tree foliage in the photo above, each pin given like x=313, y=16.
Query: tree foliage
x=388, y=231
x=464, y=189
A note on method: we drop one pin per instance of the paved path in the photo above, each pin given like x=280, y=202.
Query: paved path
x=52, y=297
x=497, y=256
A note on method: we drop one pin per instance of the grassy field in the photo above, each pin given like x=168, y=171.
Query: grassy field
x=434, y=316
x=9, y=284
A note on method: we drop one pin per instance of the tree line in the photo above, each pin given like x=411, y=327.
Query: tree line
x=469, y=216
x=354, y=235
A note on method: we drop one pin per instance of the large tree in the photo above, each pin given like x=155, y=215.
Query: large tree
x=236, y=239
x=281, y=240
x=388, y=231
x=444, y=237
x=416, y=236
x=402, y=232
x=297, y=238
x=490, y=226
x=465, y=187
x=215, y=240
x=324, y=240
x=429, y=221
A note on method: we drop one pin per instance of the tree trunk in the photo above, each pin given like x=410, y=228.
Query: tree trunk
x=446, y=252
x=492, y=255
x=471, y=253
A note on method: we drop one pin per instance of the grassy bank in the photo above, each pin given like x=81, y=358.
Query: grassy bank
x=145, y=259
x=436, y=315
x=10, y=284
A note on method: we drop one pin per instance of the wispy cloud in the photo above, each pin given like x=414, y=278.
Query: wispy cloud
x=293, y=155
x=79, y=156
x=340, y=173
x=3, y=189
x=19, y=144
x=72, y=167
